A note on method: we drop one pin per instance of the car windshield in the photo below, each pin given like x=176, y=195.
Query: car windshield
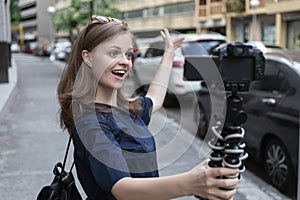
x=193, y=49
x=210, y=45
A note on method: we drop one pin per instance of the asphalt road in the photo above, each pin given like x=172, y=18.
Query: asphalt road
x=31, y=141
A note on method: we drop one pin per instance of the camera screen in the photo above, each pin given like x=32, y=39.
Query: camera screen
x=237, y=69
x=231, y=69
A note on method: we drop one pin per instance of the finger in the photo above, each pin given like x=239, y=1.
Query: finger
x=178, y=42
x=217, y=193
x=163, y=34
x=220, y=171
x=227, y=183
x=225, y=194
x=166, y=32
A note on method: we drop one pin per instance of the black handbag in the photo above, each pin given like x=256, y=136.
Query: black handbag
x=63, y=186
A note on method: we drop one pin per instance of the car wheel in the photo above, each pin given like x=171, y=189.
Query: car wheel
x=278, y=166
x=201, y=119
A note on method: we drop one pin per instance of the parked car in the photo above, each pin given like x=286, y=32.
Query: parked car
x=265, y=47
x=146, y=65
x=272, y=127
x=14, y=47
x=42, y=48
x=29, y=47
x=61, y=50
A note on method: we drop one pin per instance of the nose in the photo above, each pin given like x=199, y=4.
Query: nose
x=124, y=60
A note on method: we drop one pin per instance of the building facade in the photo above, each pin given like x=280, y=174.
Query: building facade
x=271, y=21
x=36, y=20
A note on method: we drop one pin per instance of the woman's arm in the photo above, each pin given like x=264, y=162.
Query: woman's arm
x=200, y=181
x=159, y=85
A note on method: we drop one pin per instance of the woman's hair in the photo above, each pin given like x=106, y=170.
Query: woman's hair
x=77, y=86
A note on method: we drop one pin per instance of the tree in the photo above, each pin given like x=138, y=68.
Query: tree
x=236, y=6
x=78, y=14
x=14, y=12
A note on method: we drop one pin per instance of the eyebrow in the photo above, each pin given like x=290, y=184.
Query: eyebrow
x=117, y=47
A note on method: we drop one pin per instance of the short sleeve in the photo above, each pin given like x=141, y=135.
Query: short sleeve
x=105, y=157
x=147, y=105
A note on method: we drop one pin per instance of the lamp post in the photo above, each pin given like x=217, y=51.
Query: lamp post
x=51, y=10
x=254, y=4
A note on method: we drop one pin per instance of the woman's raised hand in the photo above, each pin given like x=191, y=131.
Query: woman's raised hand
x=171, y=45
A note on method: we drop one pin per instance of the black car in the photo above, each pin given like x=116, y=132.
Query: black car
x=272, y=126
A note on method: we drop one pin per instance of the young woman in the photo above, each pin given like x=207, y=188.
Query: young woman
x=114, y=151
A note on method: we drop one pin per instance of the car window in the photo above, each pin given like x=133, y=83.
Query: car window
x=210, y=45
x=192, y=49
x=274, y=81
x=154, y=52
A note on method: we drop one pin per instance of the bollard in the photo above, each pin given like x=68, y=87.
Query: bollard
x=4, y=61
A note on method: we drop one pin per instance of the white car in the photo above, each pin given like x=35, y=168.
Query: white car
x=145, y=66
x=61, y=50
x=14, y=47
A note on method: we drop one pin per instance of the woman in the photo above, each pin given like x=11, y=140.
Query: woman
x=114, y=151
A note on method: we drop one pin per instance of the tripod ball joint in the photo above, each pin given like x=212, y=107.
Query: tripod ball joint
x=235, y=116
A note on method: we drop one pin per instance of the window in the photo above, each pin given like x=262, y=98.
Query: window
x=274, y=80
x=188, y=7
x=155, y=50
x=179, y=8
x=202, y=2
x=133, y=14
x=193, y=48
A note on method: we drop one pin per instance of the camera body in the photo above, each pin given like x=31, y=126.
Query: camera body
x=237, y=63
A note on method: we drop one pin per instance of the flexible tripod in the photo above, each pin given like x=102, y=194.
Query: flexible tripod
x=227, y=145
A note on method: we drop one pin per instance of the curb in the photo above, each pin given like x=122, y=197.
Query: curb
x=8, y=90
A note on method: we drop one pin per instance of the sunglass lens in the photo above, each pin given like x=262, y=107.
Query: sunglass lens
x=102, y=19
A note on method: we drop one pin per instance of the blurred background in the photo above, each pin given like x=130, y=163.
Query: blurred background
x=46, y=29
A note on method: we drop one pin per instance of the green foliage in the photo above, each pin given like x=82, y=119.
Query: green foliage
x=15, y=12
x=237, y=6
x=78, y=15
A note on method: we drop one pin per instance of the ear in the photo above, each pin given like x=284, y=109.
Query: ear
x=87, y=58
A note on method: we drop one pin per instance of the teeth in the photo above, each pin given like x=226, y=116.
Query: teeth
x=119, y=72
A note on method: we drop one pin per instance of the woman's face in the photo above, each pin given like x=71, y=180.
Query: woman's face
x=111, y=61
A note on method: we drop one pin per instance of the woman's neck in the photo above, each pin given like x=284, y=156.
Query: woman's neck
x=106, y=96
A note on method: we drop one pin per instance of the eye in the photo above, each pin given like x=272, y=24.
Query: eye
x=128, y=55
x=114, y=53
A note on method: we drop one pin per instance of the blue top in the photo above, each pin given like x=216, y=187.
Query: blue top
x=111, y=146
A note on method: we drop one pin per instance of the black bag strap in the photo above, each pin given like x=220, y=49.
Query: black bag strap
x=66, y=155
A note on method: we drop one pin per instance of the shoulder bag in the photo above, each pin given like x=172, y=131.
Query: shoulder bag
x=63, y=185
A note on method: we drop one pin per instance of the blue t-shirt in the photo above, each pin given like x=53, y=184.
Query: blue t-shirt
x=112, y=145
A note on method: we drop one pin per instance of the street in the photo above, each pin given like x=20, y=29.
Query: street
x=31, y=141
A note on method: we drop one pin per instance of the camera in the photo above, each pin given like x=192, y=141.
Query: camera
x=237, y=63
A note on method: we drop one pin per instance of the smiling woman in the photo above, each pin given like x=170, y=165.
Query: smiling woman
x=114, y=151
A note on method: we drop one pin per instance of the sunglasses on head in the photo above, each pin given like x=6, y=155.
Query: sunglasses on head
x=104, y=20
x=95, y=19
